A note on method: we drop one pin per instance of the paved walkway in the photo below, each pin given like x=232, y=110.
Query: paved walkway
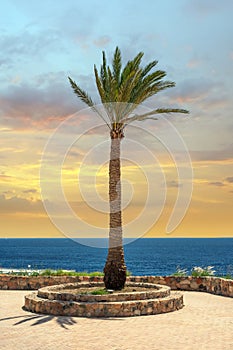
x=205, y=323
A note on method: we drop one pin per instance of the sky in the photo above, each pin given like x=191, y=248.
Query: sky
x=41, y=43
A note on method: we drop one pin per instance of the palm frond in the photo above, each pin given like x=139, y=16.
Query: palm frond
x=137, y=60
x=86, y=99
x=149, y=115
x=99, y=85
x=152, y=90
x=103, y=72
x=126, y=88
x=148, y=67
x=116, y=65
x=131, y=66
x=81, y=93
x=138, y=93
x=112, y=93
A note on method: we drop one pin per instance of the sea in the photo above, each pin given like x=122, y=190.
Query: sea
x=145, y=256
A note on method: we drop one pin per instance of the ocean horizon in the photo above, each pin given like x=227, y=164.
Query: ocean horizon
x=144, y=256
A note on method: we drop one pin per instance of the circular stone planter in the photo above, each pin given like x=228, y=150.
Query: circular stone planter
x=65, y=300
x=68, y=292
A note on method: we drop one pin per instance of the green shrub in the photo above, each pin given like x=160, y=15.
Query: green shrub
x=205, y=271
x=227, y=276
x=180, y=272
x=49, y=272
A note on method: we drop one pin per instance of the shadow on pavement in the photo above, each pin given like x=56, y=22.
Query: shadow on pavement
x=40, y=319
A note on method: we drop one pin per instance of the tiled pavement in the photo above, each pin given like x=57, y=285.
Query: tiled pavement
x=206, y=322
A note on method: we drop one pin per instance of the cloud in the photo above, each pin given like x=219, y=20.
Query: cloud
x=217, y=184
x=224, y=154
x=5, y=129
x=102, y=41
x=7, y=194
x=47, y=98
x=202, y=96
x=27, y=44
x=5, y=62
x=30, y=190
x=194, y=63
x=5, y=178
x=205, y=8
x=20, y=205
x=229, y=179
x=83, y=21
x=194, y=90
x=172, y=184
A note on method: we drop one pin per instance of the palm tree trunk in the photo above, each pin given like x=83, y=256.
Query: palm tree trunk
x=115, y=269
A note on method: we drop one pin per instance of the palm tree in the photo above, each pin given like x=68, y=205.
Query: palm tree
x=121, y=90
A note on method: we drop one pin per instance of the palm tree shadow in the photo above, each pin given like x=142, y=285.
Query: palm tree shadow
x=62, y=321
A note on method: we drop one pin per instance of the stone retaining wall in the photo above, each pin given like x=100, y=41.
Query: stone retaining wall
x=214, y=285
x=12, y=282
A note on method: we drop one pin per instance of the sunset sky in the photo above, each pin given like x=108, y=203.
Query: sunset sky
x=41, y=43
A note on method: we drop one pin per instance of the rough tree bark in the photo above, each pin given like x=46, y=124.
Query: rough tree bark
x=115, y=269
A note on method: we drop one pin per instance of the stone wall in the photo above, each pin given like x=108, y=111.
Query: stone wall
x=12, y=282
x=214, y=285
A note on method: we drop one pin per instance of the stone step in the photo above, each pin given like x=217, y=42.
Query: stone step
x=64, y=292
x=170, y=303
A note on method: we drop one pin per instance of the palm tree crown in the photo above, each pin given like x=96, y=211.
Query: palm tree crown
x=125, y=88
